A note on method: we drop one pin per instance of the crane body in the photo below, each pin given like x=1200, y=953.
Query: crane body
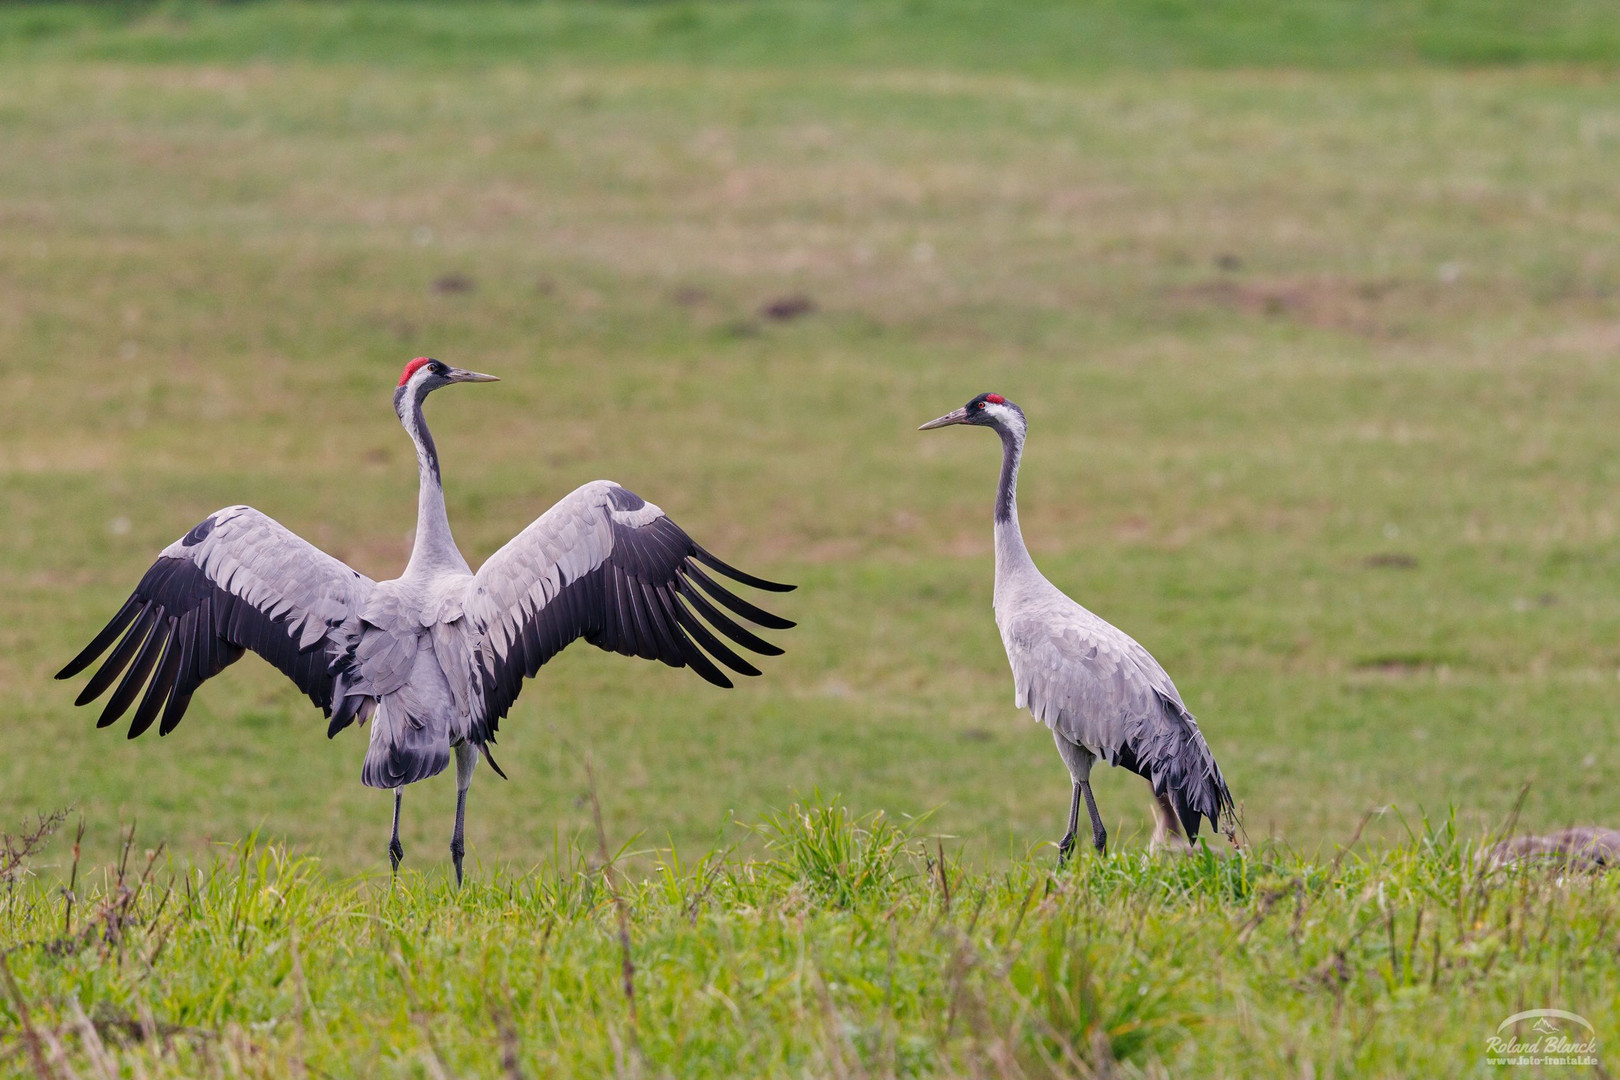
x=435, y=658
x=1101, y=693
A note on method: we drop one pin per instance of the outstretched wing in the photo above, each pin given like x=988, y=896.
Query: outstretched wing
x=606, y=565
x=1093, y=684
x=237, y=581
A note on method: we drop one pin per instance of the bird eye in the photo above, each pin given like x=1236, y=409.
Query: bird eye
x=437, y=368
x=981, y=404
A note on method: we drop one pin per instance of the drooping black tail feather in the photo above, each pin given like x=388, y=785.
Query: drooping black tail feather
x=1204, y=796
x=1186, y=772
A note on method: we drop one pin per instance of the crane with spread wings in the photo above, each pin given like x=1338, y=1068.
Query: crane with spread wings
x=435, y=657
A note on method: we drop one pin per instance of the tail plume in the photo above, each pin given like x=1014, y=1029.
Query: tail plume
x=1179, y=765
x=402, y=751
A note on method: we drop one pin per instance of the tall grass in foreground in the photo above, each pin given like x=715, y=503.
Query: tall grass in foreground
x=856, y=948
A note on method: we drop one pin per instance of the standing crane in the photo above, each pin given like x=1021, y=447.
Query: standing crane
x=435, y=657
x=1100, y=692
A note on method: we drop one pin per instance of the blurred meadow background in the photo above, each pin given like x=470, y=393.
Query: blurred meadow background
x=1314, y=309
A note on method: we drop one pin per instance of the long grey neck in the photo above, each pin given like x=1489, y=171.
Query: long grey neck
x=1012, y=557
x=434, y=547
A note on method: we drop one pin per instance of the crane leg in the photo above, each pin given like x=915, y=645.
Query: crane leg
x=1078, y=760
x=395, y=851
x=1099, y=835
x=458, y=844
x=466, y=758
x=1066, y=845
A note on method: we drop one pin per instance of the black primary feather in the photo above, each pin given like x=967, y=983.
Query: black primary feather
x=179, y=630
x=639, y=602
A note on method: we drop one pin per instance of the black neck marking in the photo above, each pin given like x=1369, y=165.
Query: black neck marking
x=416, y=425
x=1007, y=490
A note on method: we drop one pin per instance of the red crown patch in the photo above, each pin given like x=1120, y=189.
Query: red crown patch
x=411, y=368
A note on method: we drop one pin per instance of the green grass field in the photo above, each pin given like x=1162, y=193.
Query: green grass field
x=848, y=950
x=1314, y=309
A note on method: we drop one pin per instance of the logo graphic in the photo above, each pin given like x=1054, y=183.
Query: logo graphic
x=1556, y=1037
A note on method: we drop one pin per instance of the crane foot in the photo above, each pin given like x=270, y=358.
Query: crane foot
x=1065, y=849
x=456, y=853
x=1099, y=840
x=396, y=852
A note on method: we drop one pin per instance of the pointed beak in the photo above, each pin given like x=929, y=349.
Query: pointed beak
x=458, y=375
x=957, y=417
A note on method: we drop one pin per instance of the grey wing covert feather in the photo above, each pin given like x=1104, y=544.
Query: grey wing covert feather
x=607, y=566
x=1094, y=685
x=237, y=581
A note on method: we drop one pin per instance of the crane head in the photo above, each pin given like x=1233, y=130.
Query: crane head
x=986, y=410
x=424, y=375
x=427, y=374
